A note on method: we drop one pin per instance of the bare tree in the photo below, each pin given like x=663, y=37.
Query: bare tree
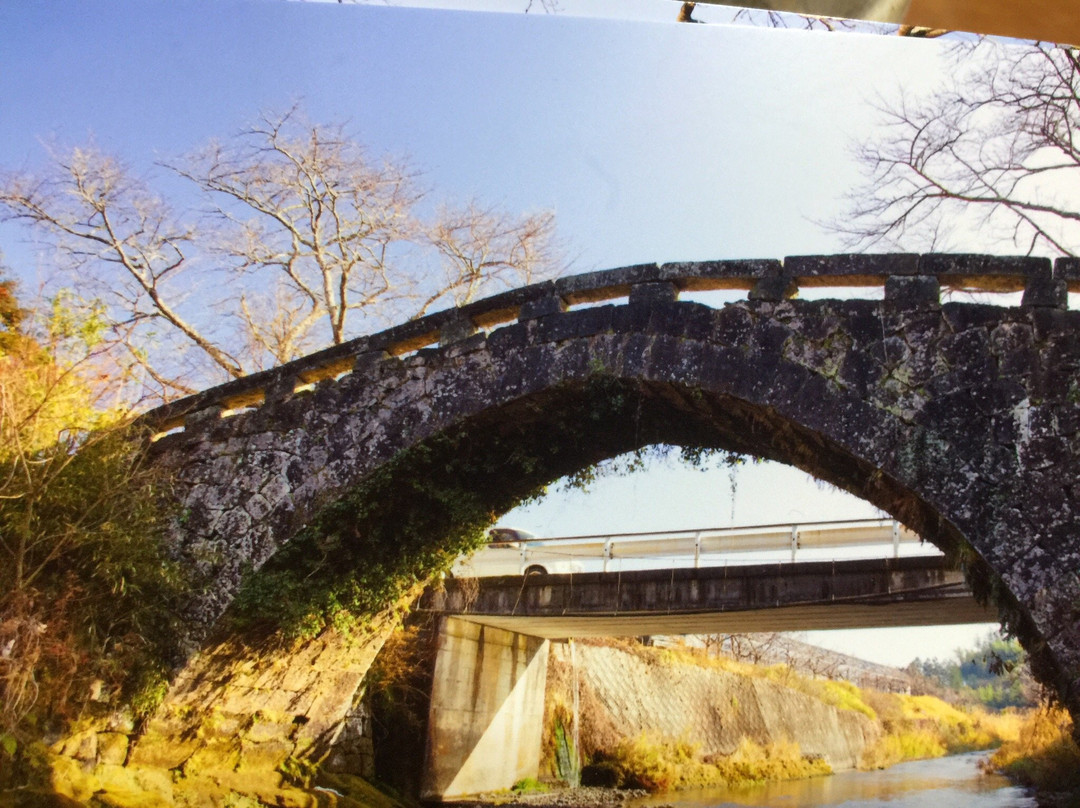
x=756, y=648
x=308, y=242
x=993, y=154
x=306, y=203
x=481, y=248
x=119, y=240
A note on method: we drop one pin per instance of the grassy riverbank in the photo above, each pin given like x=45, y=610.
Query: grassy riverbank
x=919, y=727
x=1044, y=756
x=894, y=727
x=657, y=764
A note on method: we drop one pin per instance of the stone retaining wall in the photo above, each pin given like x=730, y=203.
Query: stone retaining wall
x=714, y=708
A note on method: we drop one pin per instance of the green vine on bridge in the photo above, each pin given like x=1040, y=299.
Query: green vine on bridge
x=406, y=522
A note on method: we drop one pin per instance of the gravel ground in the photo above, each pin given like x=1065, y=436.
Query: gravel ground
x=584, y=797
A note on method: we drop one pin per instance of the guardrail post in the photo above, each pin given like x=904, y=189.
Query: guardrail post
x=896, y=539
x=607, y=553
x=697, y=550
x=794, y=540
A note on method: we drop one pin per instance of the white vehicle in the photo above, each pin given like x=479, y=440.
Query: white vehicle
x=512, y=551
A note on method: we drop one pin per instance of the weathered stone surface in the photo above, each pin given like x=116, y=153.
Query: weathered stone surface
x=960, y=420
x=1051, y=292
x=112, y=748
x=654, y=292
x=916, y=292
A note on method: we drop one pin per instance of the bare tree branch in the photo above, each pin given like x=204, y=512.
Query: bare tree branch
x=309, y=241
x=304, y=203
x=483, y=249
x=116, y=235
x=991, y=156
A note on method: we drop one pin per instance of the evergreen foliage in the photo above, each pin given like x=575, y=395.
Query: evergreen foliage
x=993, y=674
x=85, y=590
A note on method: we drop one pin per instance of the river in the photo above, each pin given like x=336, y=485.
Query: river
x=948, y=782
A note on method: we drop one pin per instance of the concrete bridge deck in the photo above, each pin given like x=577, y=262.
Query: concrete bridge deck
x=863, y=593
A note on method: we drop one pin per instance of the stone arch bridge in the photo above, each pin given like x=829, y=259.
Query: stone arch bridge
x=960, y=419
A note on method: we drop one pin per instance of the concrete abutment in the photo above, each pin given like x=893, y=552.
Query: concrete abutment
x=487, y=710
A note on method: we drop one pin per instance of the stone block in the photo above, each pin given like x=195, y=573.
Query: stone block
x=653, y=292
x=82, y=746
x=543, y=307
x=507, y=338
x=953, y=266
x=458, y=329
x=710, y=274
x=1067, y=268
x=112, y=747
x=774, y=288
x=264, y=756
x=851, y=265
x=164, y=748
x=578, y=287
x=69, y=779
x=121, y=721
x=213, y=754
x=268, y=728
x=130, y=798
x=1046, y=292
x=916, y=292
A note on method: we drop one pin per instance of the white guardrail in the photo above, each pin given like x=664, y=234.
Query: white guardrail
x=695, y=548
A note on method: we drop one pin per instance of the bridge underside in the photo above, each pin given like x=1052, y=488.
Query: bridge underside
x=865, y=593
x=952, y=610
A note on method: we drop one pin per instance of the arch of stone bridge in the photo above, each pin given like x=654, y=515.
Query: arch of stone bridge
x=960, y=420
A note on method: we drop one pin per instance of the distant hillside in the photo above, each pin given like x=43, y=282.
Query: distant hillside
x=803, y=658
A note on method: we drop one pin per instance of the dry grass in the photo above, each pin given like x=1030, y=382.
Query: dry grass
x=919, y=727
x=664, y=764
x=596, y=729
x=1043, y=754
x=914, y=727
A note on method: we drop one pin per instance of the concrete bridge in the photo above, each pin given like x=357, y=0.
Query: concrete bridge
x=813, y=595
x=487, y=700
x=959, y=419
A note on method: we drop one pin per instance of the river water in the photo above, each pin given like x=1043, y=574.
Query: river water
x=949, y=782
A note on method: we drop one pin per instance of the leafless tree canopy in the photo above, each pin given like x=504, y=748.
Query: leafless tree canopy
x=117, y=239
x=307, y=206
x=990, y=158
x=308, y=240
x=480, y=247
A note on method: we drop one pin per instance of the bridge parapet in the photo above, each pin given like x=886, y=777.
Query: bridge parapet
x=909, y=280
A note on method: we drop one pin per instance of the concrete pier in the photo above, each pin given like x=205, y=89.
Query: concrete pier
x=487, y=709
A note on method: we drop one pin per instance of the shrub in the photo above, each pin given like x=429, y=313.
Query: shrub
x=666, y=764
x=1044, y=754
x=900, y=746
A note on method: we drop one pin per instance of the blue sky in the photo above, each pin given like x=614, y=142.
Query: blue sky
x=652, y=141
